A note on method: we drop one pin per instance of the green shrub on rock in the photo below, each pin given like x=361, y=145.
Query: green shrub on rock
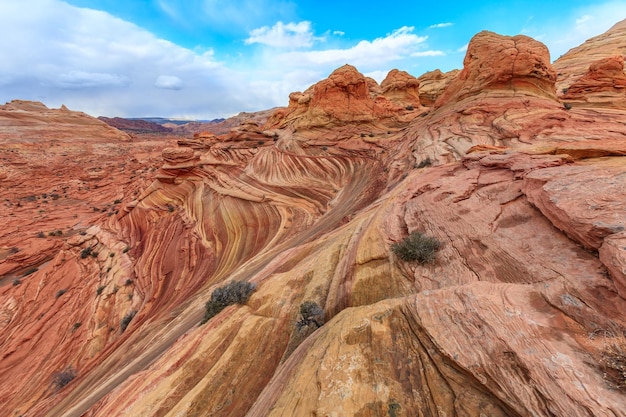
x=417, y=247
x=235, y=292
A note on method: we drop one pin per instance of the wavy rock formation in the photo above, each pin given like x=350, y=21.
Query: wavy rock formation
x=520, y=313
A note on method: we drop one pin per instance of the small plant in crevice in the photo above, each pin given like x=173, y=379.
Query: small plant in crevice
x=60, y=293
x=424, y=163
x=30, y=271
x=235, y=292
x=567, y=106
x=62, y=378
x=417, y=247
x=126, y=320
x=85, y=252
x=100, y=289
x=611, y=358
x=128, y=282
x=311, y=314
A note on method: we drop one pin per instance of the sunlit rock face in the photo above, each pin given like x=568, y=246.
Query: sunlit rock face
x=575, y=63
x=604, y=84
x=512, y=318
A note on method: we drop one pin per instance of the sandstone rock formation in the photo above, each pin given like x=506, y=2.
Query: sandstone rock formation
x=348, y=97
x=432, y=84
x=504, y=64
x=23, y=120
x=603, y=85
x=520, y=313
x=401, y=88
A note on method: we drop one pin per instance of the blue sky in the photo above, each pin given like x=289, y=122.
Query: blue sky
x=203, y=59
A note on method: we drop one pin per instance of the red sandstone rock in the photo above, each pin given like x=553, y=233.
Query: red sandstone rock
x=401, y=88
x=348, y=97
x=432, y=84
x=495, y=62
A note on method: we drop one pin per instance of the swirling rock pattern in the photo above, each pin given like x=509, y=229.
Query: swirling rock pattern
x=526, y=198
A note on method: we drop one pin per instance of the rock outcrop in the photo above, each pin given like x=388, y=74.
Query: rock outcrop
x=401, y=88
x=23, y=120
x=510, y=65
x=433, y=83
x=603, y=85
x=348, y=97
x=520, y=312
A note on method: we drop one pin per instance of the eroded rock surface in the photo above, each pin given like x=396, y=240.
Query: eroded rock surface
x=512, y=318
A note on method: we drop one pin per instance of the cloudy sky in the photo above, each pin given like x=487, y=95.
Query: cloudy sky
x=203, y=59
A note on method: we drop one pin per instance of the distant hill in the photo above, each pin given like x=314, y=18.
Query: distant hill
x=135, y=125
x=163, y=120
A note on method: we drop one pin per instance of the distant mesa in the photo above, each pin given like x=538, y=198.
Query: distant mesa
x=135, y=125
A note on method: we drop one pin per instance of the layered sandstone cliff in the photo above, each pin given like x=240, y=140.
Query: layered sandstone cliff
x=517, y=315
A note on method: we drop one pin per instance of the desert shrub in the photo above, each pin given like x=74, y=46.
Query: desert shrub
x=567, y=106
x=85, y=252
x=30, y=271
x=424, y=163
x=128, y=282
x=417, y=247
x=60, y=293
x=41, y=235
x=235, y=292
x=410, y=108
x=100, y=289
x=126, y=320
x=310, y=314
x=612, y=358
x=62, y=378
x=16, y=282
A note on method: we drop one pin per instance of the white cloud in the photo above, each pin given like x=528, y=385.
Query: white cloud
x=100, y=64
x=290, y=35
x=82, y=79
x=168, y=82
x=580, y=24
x=463, y=48
x=440, y=25
x=378, y=75
x=428, y=53
x=339, y=33
x=397, y=45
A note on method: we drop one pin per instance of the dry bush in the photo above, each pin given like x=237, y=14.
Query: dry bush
x=417, y=247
